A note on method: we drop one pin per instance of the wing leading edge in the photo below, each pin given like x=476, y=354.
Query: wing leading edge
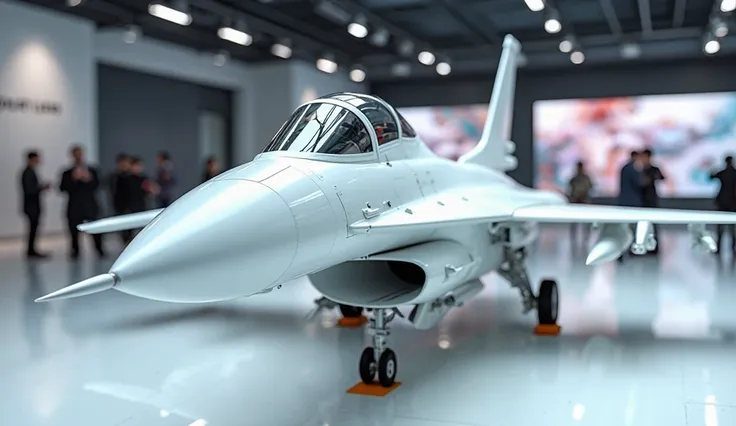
x=426, y=214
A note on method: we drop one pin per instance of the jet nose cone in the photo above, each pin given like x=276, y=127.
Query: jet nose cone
x=223, y=239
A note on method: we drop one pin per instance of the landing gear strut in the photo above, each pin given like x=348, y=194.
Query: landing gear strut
x=546, y=302
x=379, y=361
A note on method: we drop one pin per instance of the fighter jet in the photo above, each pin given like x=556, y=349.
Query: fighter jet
x=348, y=194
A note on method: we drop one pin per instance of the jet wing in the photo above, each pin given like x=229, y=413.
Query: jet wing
x=431, y=214
x=120, y=223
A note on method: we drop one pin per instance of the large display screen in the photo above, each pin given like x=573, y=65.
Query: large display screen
x=688, y=134
x=448, y=131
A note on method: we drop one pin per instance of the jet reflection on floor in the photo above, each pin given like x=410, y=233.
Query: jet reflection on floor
x=646, y=342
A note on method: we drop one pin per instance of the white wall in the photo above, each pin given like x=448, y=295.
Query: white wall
x=43, y=57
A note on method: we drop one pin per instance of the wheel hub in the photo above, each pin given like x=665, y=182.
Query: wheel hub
x=390, y=368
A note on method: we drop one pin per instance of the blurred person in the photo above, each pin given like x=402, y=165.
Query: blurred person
x=652, y=175
x=166, y=180
x=631, y=184
x=32, y=188
x=726, y=199
x=579, y=190
x=139, y=186
x=80, y=183
x=120, y=191
x=211, y=169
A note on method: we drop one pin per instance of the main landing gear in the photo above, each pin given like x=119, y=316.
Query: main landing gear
x=546, y=302
x=379, y=362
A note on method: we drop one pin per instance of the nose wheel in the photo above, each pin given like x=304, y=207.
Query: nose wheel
x=378, y=362
x=547, y=303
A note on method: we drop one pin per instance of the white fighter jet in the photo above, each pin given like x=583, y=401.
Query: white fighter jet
x=348, y=194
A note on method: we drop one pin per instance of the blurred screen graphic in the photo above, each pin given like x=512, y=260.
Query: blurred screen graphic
x=448, y=131
x=689, y=135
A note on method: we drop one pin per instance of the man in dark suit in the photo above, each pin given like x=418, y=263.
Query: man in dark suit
x=80, y=183
x=652, y=175
x=119, y=191
x=166, y=180
x=631, y=183
x=32, y=189
x=726, y=198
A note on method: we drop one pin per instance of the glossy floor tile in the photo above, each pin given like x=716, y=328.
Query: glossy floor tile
x=646, y=342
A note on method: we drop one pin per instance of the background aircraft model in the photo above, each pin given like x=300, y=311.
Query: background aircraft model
x=347, y=194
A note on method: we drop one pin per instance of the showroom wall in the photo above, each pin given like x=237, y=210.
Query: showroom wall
x=707, y=75
x=46, y=103
x=166, y=116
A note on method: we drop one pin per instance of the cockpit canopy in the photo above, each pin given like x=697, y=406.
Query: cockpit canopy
x=341, y=123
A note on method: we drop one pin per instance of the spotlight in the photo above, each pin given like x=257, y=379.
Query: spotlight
x=380, y=37
x=630, y=50
x=535, y=5
x=577, y=57
x=728, y=6
x=566, y=46
x=406, y=48
x=358, y=28
x=326, y=65
x=283, y=51
x=220, y=58
x=131, y=34
x=711, y=47
x=73, y=3
x=235, y=36
x=552, y=25
x=443, y=68
x=357, y=75
x=426, y=58
x=168, y=14
x=720, y=28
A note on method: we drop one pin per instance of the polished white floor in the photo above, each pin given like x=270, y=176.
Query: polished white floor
x=648, y=342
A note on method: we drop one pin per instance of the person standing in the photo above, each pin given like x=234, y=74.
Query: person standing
x=652, y=175
x=119, y=191
x=726, y=199
x=211, y=169
x=631, y=184
x=32, y=189
x=80, y=183
x=580, y=187
x=166, y=180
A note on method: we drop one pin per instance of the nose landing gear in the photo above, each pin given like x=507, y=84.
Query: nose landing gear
x=379, y=361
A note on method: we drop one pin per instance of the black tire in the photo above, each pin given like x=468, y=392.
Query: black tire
x=548, y=303
x=367, y=366
x=348, y=311
x=387, y=368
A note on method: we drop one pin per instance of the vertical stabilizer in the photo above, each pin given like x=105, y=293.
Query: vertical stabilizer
x=495, y=150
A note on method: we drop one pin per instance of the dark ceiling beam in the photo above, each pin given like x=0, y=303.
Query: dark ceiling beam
x=652, y=50
x=610, y=12
x=551, y=45
x=395, y=30
x=480, y=36
x=645, y=15
x=262, y=25
x=678, y=16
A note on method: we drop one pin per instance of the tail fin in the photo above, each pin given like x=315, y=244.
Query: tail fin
x=495, y=150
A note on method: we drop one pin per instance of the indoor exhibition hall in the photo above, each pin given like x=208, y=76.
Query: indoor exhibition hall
x=368, y=212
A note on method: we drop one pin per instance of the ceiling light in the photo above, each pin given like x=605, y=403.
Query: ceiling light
x=577, y=57
x=728, y=6
x=358, y=28
x=73, y=3
x=281, y=50
x=425, y=57
x=535, y=5
x=131, y=34
x=401, y=69
x=357, y=75
x=235, y=36
x=720, y=28
x=326, y=65
x=630, y=50
x=565, y=46
x=168, y=14
x=220, y=58
x=711, y=47
x=443, y=68
x=552, y=26
x=380, y=37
